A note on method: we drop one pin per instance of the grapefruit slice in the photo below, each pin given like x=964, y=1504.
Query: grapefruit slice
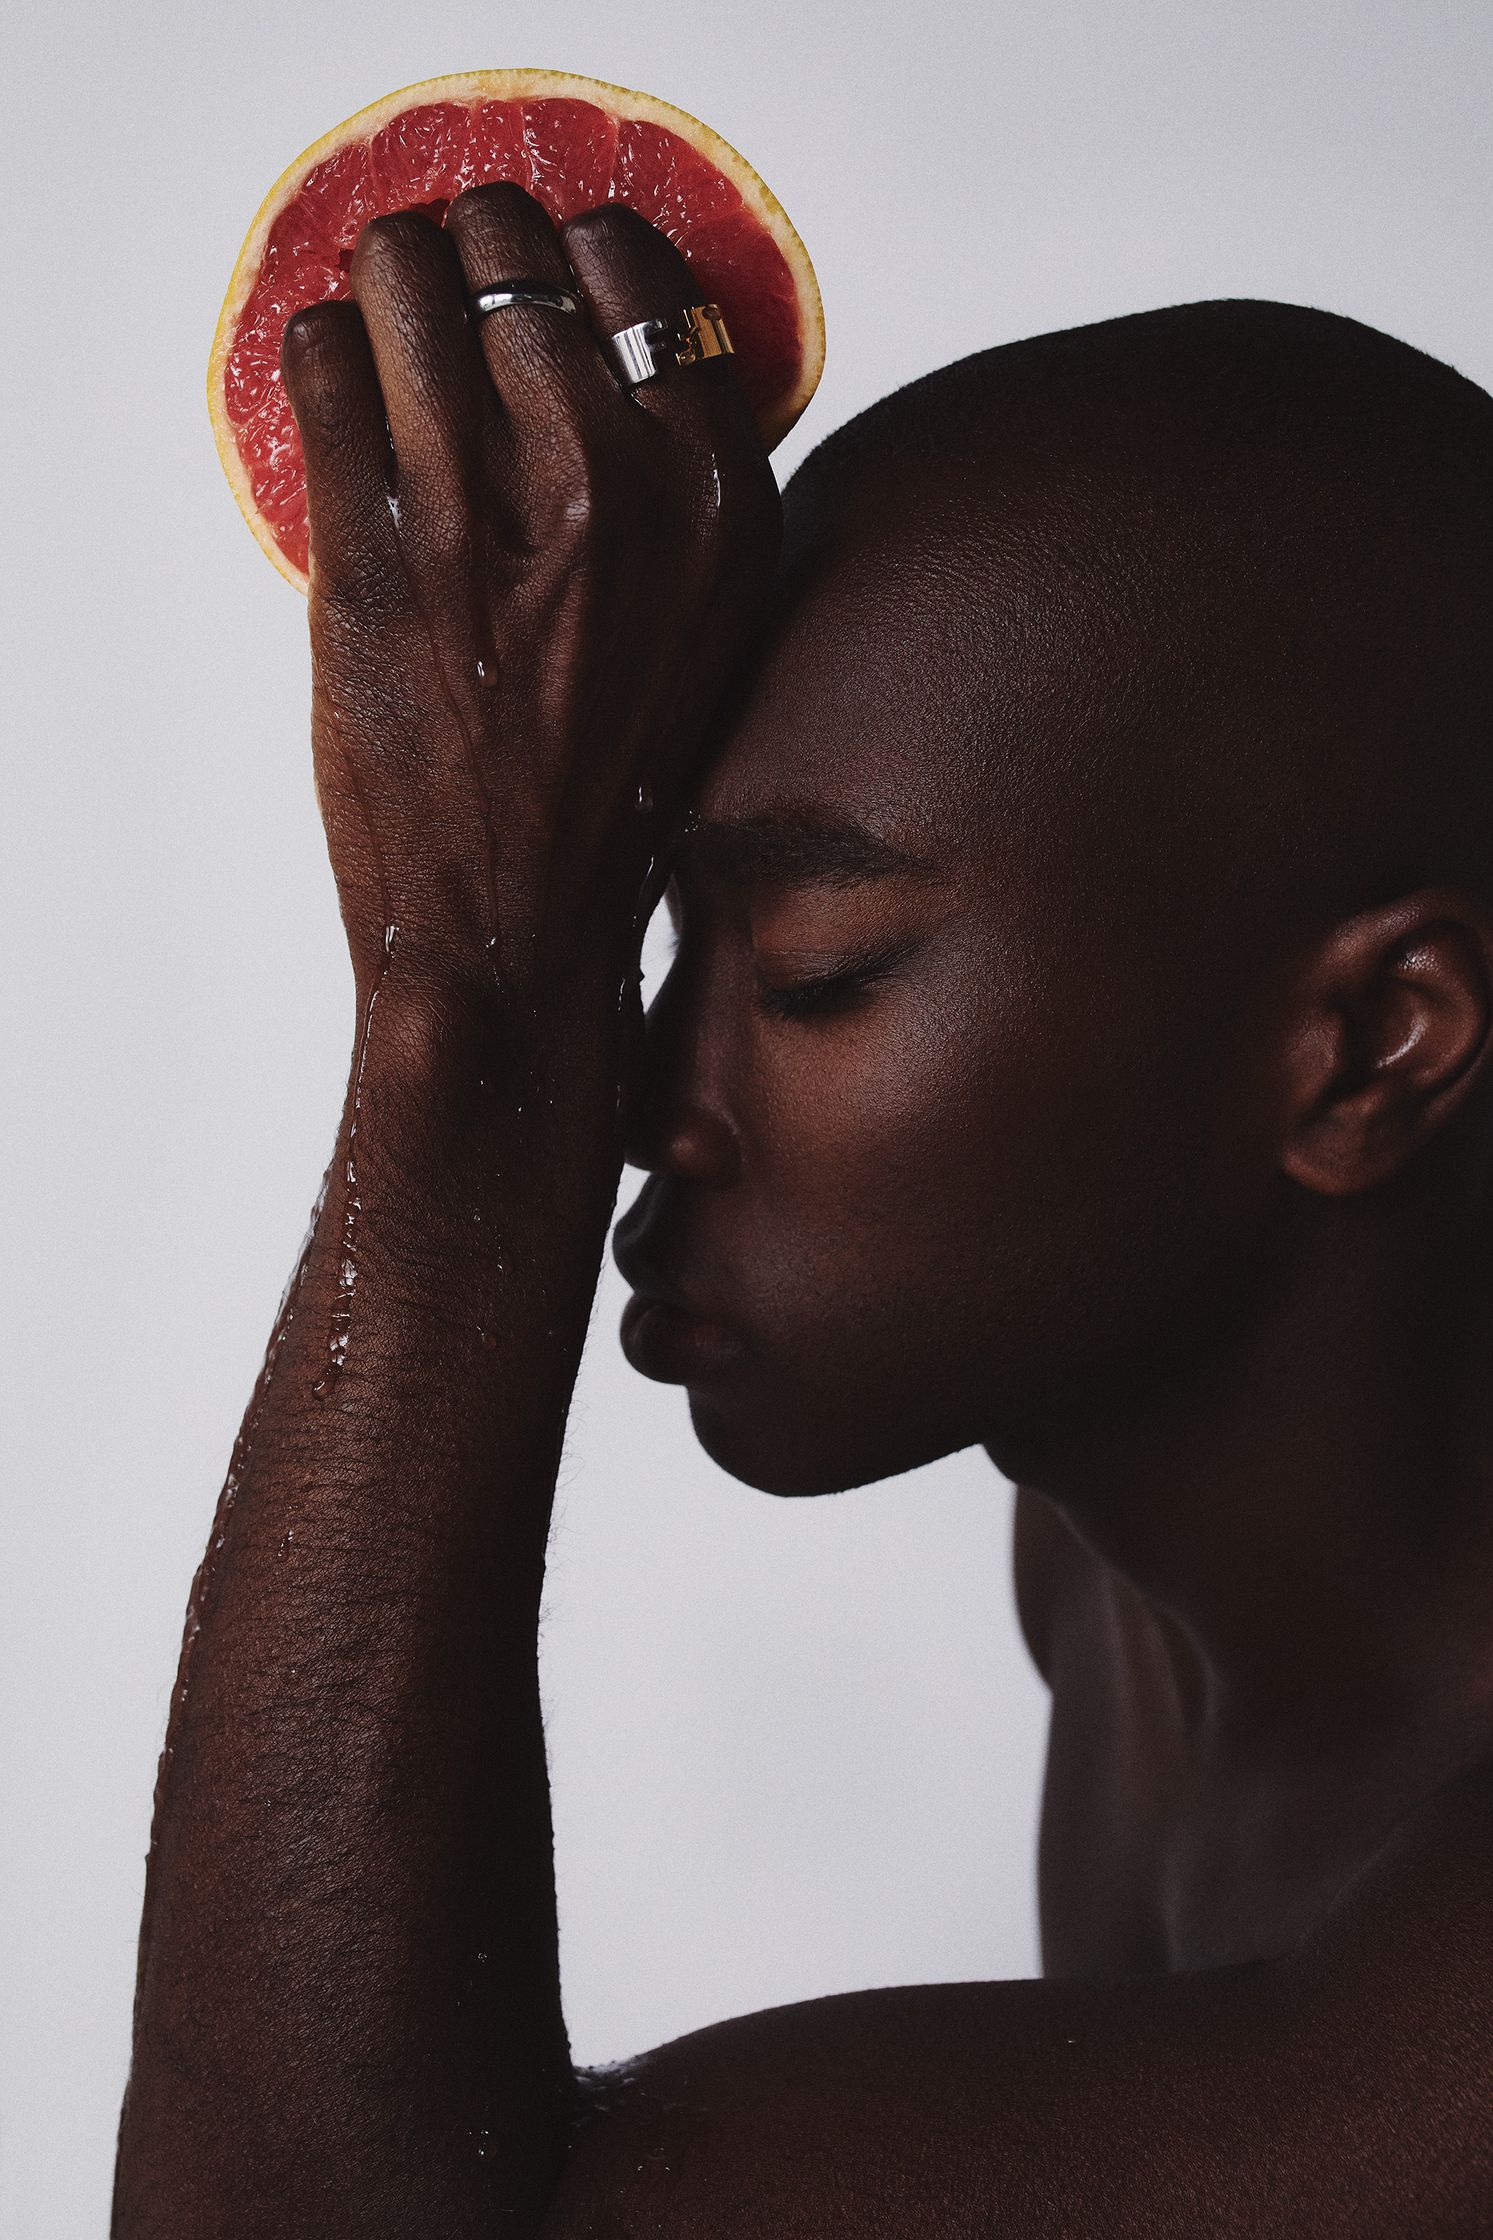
x=573, y=143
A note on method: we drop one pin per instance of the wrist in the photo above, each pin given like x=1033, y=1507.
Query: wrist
x=523, y=981
x=457, y=1075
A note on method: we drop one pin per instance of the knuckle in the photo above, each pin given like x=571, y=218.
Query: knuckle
x=355, y=591
x=444, y=528
x=607, y=499
x=578, y=474
x=577, y=513
x=580, y=514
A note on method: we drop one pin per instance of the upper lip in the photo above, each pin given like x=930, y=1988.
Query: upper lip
x=648, y=1283
x=648, y=1280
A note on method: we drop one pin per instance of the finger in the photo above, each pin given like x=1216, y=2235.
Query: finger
x=332, y=384
x=717, y=460
x=544, y=363
x=407, y=282
x=629, y=272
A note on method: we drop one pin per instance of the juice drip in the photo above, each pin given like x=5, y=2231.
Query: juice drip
x=243, y=1445
x=352, y=1204
x=340, y=1329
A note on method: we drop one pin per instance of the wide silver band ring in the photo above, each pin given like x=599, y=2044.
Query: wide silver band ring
x=504, y=293
x=652, y=345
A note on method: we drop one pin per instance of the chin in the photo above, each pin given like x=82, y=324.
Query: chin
x=759, y=1449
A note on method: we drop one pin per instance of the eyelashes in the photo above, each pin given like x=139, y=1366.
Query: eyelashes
x=823, y=995
x=829, y=992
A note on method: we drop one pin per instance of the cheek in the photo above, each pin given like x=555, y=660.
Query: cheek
x=852, y=1108
x=963, y=1081
x=863, y=1223
x=873, y=1156
x=979, y=1146
x=961, y=1205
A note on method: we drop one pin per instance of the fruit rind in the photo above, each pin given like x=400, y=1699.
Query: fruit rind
x=502, y=85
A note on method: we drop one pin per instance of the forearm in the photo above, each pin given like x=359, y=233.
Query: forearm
x=348, y=2014
x=527, y=591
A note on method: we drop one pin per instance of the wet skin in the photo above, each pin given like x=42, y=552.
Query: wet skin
x=1016, y=1084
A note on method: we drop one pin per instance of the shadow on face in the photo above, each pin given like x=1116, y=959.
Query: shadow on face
x=926, y=1093
x=1109, y=673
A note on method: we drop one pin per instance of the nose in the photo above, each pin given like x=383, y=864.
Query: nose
x=675, y=1119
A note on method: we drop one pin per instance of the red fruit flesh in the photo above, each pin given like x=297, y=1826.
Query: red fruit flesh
x=571, y=155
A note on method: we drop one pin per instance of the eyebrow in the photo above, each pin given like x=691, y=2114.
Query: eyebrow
x=793, y=847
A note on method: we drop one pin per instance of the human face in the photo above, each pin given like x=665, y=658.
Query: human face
x=926, y=1122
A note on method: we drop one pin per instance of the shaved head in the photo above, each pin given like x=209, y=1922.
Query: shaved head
x=1256, y=545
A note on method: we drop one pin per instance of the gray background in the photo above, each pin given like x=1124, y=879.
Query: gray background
x=796, y=1747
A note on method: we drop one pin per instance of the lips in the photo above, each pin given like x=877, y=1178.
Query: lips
x=664, y=1333
x=672, y=1346
x=641, y=1267
x=648, y=1279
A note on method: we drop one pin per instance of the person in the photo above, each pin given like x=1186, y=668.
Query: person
x=1078, y=827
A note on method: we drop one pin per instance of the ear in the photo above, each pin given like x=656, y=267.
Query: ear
x=1394, y=1027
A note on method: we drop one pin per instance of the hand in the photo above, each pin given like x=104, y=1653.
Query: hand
x=528, y=585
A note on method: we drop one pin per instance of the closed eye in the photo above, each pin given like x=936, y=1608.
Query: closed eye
x=828, y=992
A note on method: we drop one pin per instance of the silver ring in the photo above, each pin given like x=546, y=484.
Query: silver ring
x=649, y=347
x=505, y=292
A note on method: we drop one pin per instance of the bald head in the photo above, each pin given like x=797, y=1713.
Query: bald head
x=1238, y=555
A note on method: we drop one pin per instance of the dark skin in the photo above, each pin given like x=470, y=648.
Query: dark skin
x=991, y=1126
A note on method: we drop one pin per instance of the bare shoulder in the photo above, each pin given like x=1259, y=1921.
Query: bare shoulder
x=1344, y=2090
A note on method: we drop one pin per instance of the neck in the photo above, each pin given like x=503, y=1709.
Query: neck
x=1315, y=1511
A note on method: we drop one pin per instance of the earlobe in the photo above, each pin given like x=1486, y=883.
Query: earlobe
x=1392, y=1035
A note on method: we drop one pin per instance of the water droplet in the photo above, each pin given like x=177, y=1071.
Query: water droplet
x=340, y=1328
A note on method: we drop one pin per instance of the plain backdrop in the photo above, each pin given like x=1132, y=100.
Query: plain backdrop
x=796, y=1747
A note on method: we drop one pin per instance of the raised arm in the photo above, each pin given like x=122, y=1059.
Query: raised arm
x=525, y=587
